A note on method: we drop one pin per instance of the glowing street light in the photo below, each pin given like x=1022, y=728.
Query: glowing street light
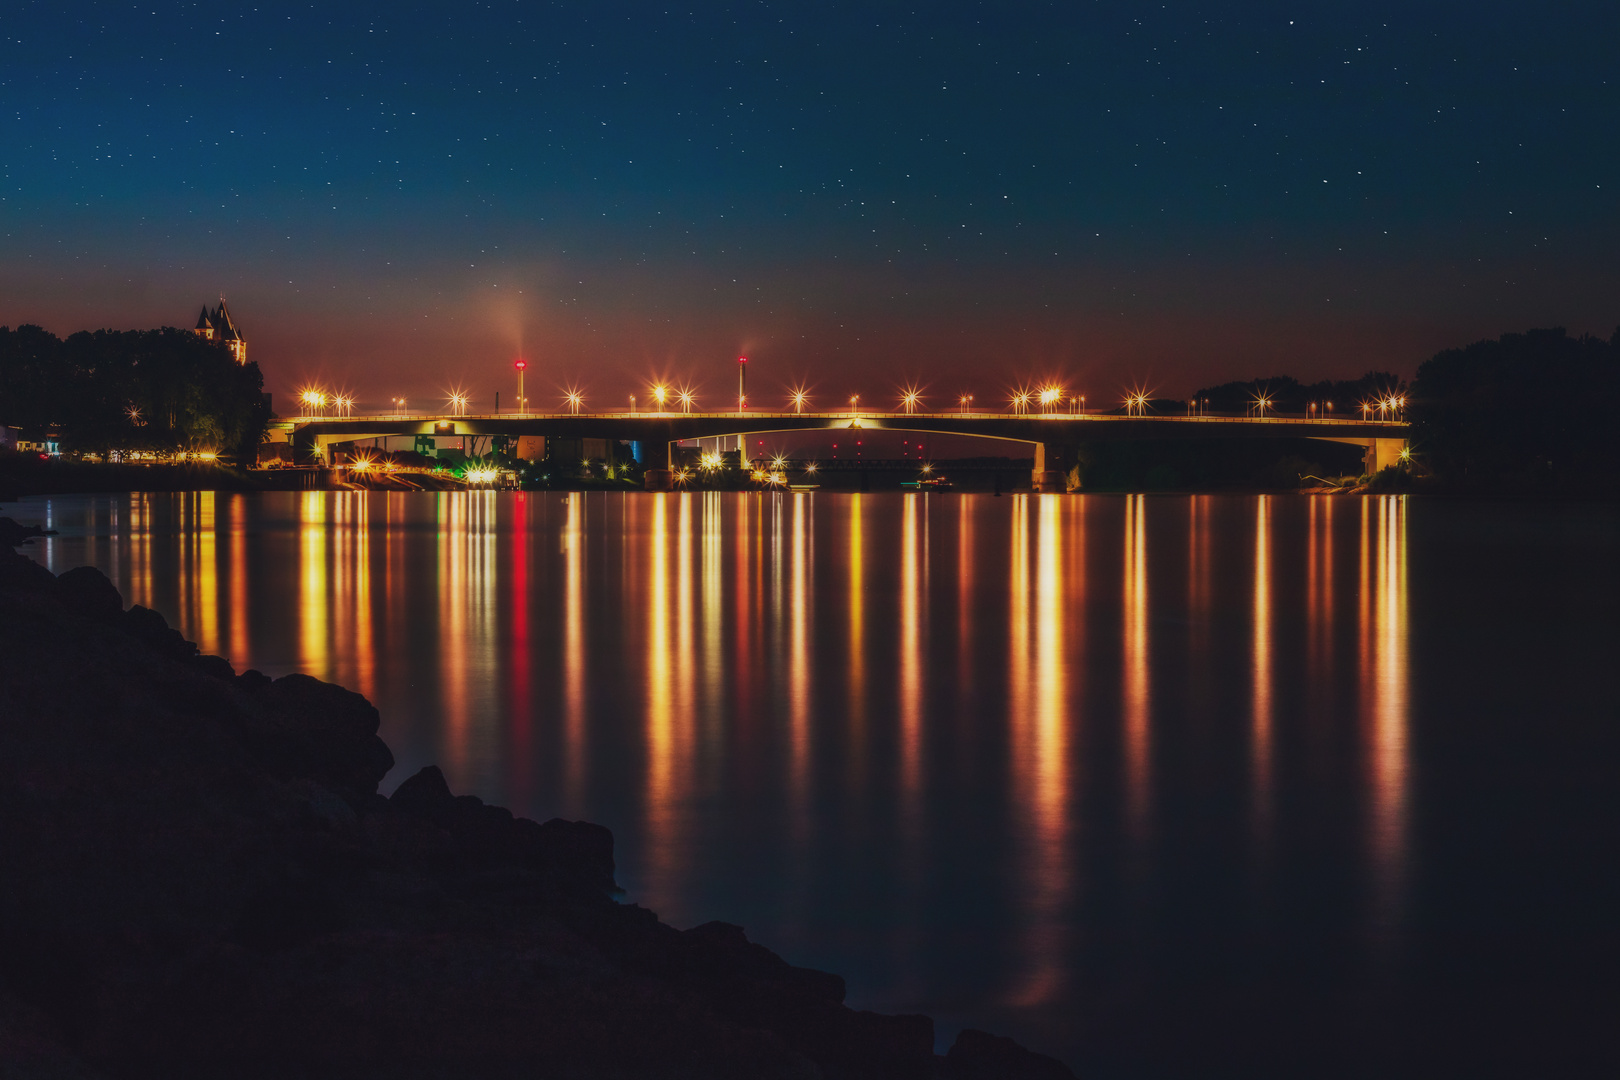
x=909, y=399
x=458, y=402
x=1049, y=397
x=799, y=399
x=574, y=399
x=134, y=414
x=853, y=398
x=660, y=393
x=1136, y=403
x=1020, y=402
x=1261, y=403
x=686, y=399
x=632, y=403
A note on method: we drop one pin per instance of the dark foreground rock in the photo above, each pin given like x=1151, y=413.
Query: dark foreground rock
x=199, y=878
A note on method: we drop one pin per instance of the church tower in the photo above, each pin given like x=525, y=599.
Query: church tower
x=216, y=325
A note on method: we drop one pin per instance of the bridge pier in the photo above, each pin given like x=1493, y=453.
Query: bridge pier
x=1052, y=467
x=1381, y=454
x=662, y=479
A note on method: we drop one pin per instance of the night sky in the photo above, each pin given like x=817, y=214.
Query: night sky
x=396, y=198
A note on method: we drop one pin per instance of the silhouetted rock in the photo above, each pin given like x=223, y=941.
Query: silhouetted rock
x=302, y=726
x=253, y=680
x=12, y=534
x=216, y=666
x=427, y=793
x=199, y=878
x=154, y=631
x=978, y=1055
x=89, y=592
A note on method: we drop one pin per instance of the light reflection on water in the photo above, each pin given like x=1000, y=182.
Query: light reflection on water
x=971, y=752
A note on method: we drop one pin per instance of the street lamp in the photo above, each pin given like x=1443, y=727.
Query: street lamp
x=632, y=403
x=909, y=399
x=800, y=399
x=853, y=398
x=659, y=393
x=574, y=399
x=686, y=401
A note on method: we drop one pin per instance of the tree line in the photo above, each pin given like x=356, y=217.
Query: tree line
x=1527, y=412
x=1285, y=394
x=1537, y=411
x=165, y=389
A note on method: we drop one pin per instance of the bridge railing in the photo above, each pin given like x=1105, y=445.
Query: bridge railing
x=862, y=414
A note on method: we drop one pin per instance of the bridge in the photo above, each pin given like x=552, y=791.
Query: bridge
x=1055, y=436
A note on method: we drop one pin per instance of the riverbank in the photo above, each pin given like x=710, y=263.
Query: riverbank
x=22, y=475
x=198, y=876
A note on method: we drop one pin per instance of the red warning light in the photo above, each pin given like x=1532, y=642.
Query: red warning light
x=742, y=359
x=521, y=363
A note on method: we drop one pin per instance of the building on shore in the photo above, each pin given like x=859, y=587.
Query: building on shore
x=216, y=325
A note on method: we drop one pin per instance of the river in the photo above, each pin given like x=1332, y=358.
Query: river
x=1161, y=785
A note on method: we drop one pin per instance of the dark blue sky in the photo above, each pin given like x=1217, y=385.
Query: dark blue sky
x=400, y=197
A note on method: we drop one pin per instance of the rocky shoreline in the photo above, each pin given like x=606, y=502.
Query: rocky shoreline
x=198, y=877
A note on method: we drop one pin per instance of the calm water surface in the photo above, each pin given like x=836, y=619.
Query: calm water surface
x=1166, y=786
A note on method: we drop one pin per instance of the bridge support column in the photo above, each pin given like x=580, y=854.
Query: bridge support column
x=662, y=479
x=1049, y=476
x=1381, y=454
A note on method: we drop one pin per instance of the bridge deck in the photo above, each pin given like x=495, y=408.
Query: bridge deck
x=677, y=426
